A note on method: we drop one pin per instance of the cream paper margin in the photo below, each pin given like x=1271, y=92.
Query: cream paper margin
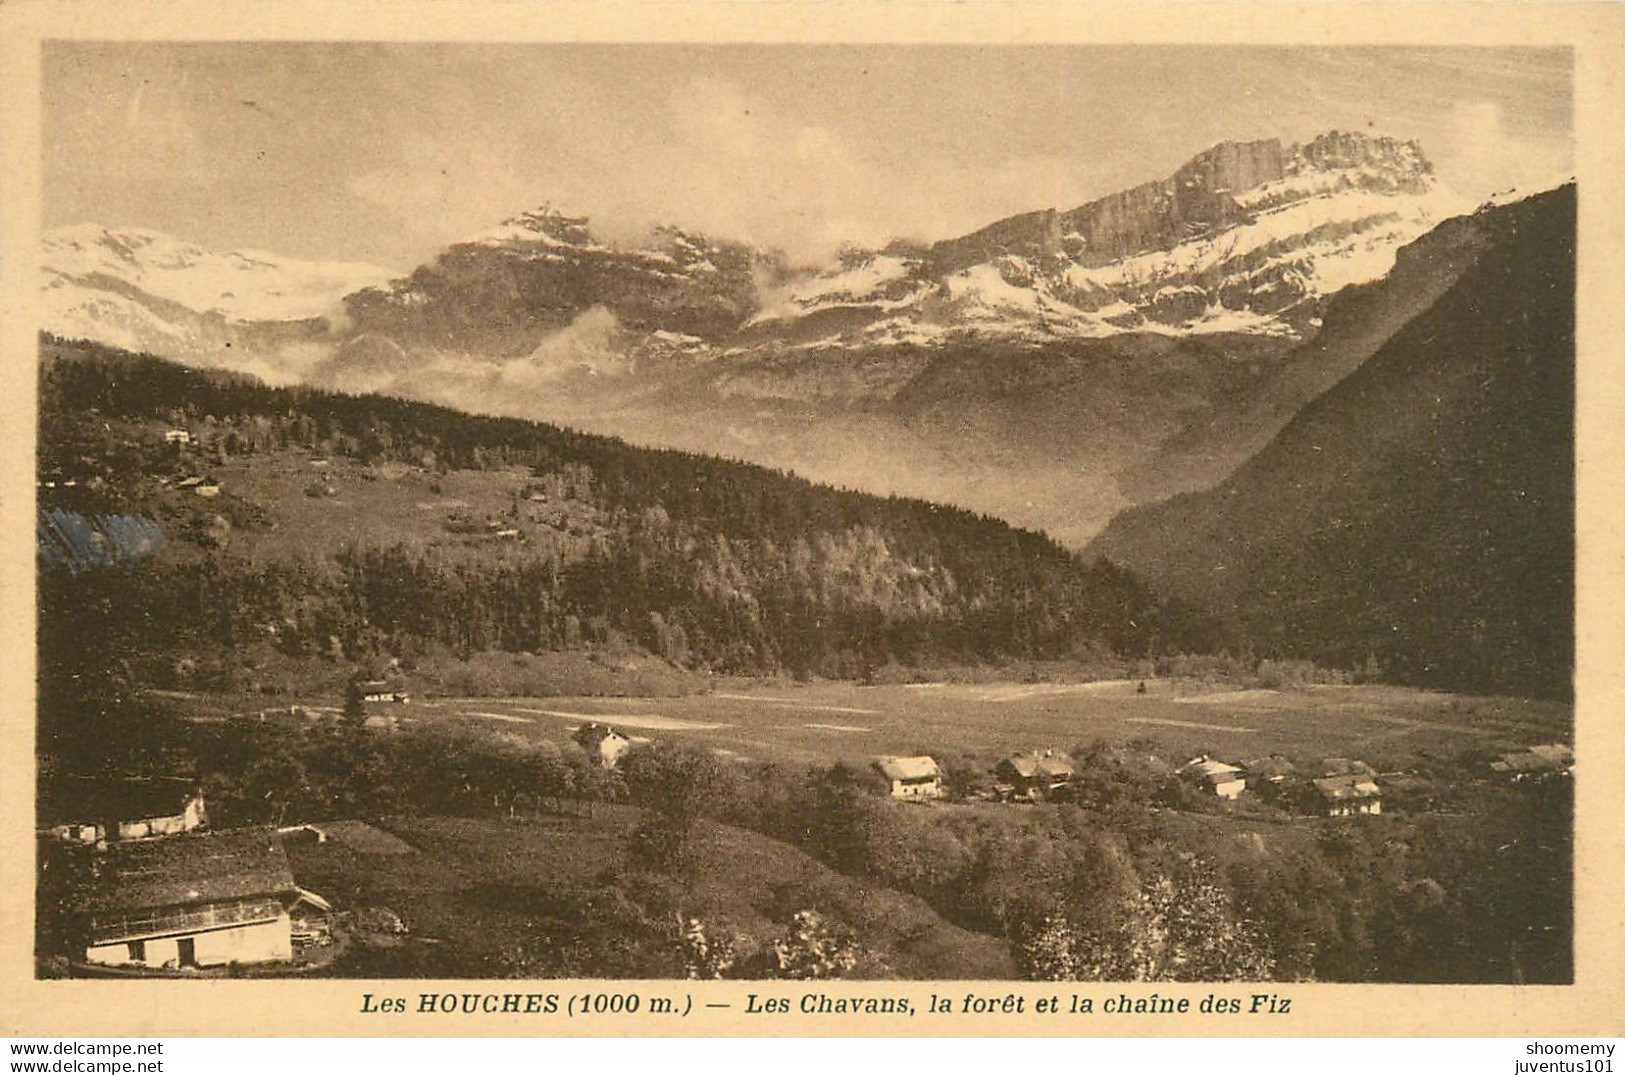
x=1594, y=1005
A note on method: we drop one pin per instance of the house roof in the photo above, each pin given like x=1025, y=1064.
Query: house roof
x=177, y=870
x=1025, y=765
x=1273, y=767
x=916, y=768
x=1048, y=768
x=1348, y=786
x=84, y=799
x=1408, y=784
x=1041, y=763
x=305, y=895
x=1054, y=765
x=1212, y=770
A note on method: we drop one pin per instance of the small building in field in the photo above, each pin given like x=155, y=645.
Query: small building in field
x=1347, y=795
x=102, y=810
x=377, y=690
x=193, y=901
x=1537, y=763
x=1216, y=777
x=177, y=436
x=1039, y=775
x=912, y=778
x=604, y=745
x=1345, y=767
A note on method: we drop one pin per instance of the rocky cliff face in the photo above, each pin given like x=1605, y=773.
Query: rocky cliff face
x=502, y=292
x=1152, y=216
x=1226, y=185
x=1245, y=237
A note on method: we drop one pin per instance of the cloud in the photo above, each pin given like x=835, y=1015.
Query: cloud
x=1487, y=155
x=709, y=157
x=439, y=189
x=587, y=345
x=733, y=167
x=1477, y=134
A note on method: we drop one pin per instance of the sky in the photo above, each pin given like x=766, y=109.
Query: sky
x=386, y=152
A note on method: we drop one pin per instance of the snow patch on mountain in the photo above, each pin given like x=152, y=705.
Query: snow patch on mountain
x=884, y=281
x=243, y=285
x=75, y=313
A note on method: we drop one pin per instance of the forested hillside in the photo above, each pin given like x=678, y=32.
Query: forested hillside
x=366, y=529
x=1420, y=514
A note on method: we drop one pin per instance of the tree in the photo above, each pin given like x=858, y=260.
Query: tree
x=1179, y=926
x=1049, y=953
x=355, y=701
x=842, y=816
x=273, y=785
x=674, y=785
x=705, y=958
x=813, y=948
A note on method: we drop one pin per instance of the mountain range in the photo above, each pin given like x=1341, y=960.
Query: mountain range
x=1241, y=363
x=1052, y=368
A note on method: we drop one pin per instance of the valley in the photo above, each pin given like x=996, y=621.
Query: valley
x=824, y=723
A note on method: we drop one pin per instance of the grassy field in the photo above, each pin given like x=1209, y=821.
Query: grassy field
x=1389, y=727
x=499, y=897
x=319, y=504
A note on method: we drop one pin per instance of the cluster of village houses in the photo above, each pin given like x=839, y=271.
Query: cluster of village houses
x=198, y=484
x=178, y=439
x=1336, y=787
x=1345, y=787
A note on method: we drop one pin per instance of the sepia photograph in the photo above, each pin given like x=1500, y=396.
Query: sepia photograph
x=815, y=512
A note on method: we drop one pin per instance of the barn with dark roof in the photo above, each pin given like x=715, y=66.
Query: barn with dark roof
x=198, y=900
x=1039, y=775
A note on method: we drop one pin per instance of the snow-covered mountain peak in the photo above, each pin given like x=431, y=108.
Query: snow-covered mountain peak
x=1244, y=237
x=545, y=224
x=240, y=285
